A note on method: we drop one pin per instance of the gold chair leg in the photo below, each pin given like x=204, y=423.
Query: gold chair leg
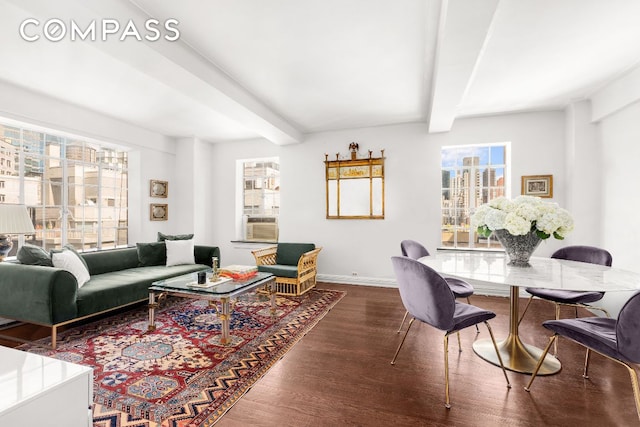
x=495, y=346
x=585, y=374
x=393, y=362
x=447, y=404
x=477, y=329
x=588, y=307
x=525, y=309
x=604, y=311
x=459, y=343
x=555, y=343
x=544, y=354
x=406, y=313
x=591, y=307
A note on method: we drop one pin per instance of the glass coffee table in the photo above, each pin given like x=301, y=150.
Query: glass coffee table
x=185, y=286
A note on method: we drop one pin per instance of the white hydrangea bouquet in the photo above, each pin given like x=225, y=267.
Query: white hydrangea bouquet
x=522, y=215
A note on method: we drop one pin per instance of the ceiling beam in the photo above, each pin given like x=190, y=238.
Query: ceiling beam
x=616, y=95
x=463, y=30
x=174, y=64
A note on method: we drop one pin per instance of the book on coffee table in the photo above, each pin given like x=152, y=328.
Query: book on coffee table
x=239, y=272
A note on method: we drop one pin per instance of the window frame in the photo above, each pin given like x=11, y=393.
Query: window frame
x=244, y=212
x=36, y=164
x=463, y=235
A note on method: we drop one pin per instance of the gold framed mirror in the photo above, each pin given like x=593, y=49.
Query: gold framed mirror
x=355, y=187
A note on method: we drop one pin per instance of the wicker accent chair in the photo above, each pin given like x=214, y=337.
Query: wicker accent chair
x=293, y=264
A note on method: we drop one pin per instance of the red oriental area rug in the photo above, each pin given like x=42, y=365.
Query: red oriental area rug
x=178, y=375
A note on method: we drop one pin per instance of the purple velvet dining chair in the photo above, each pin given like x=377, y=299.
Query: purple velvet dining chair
x=618, y=340
x=576, y=299
x=428, y=298
x=460, y=288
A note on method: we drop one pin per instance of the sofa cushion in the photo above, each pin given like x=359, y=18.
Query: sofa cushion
x=107, y=260
x=118, y=288
x=72, y=262
x=162, y=237
x=290, y=253
x=280, y=270
x=34, y=255
x=179, y=252
x=150, y=254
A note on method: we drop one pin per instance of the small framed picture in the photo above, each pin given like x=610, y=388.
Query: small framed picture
x=159, y=188
x=159, y=212
x=537, y=185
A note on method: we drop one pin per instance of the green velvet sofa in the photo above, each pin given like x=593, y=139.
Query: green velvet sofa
x=50, y=296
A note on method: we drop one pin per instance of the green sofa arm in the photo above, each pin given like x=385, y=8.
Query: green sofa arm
x=36, y=294
x=203, y=254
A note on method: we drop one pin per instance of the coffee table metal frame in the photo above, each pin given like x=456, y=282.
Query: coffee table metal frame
x=222, y=293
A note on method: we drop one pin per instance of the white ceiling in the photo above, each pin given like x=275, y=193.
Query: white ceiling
x=280, y=69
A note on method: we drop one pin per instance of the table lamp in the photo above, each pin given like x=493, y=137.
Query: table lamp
x=14, y=219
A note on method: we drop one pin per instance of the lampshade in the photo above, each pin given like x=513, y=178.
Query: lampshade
x=14, y=219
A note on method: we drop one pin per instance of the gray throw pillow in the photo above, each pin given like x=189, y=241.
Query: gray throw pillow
x=162, y=237
x=34, y=255
x=150, y=254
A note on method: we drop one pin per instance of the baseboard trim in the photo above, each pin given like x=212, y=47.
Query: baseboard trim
x=480, y=288
x=357, y=280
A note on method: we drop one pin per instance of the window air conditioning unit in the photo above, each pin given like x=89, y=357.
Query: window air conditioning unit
x=262, y=228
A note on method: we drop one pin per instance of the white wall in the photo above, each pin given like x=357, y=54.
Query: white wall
x=620, y=134
x=620, y=201
x=193, y=203
x=144, y=165
x=583, y=184
x=412, y=171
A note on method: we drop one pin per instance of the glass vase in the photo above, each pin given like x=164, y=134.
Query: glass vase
x=518, y=248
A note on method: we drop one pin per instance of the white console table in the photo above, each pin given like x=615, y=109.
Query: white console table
x=44, y=392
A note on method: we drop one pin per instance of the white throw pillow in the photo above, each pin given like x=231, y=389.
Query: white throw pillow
x=179, y=252
x=68, y=260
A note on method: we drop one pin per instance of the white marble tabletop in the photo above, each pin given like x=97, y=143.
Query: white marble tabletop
x=491, y=267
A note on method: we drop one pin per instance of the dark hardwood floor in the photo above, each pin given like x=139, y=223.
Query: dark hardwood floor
x=339, y=375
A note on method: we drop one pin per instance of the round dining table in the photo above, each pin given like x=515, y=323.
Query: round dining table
x=491, y=267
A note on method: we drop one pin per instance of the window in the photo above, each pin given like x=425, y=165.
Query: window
x=260, y=199
x=471, y=176
x=75, y=190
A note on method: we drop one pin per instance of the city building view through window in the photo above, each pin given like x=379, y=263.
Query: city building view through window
x=261, y=199
x=471, y=176
x=76, y=191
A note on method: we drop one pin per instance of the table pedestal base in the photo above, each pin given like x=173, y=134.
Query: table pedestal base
x=517, y=356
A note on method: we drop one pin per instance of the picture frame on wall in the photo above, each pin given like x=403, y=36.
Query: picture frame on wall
x=159, y=212
x=537, y=185
x=159, y=188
